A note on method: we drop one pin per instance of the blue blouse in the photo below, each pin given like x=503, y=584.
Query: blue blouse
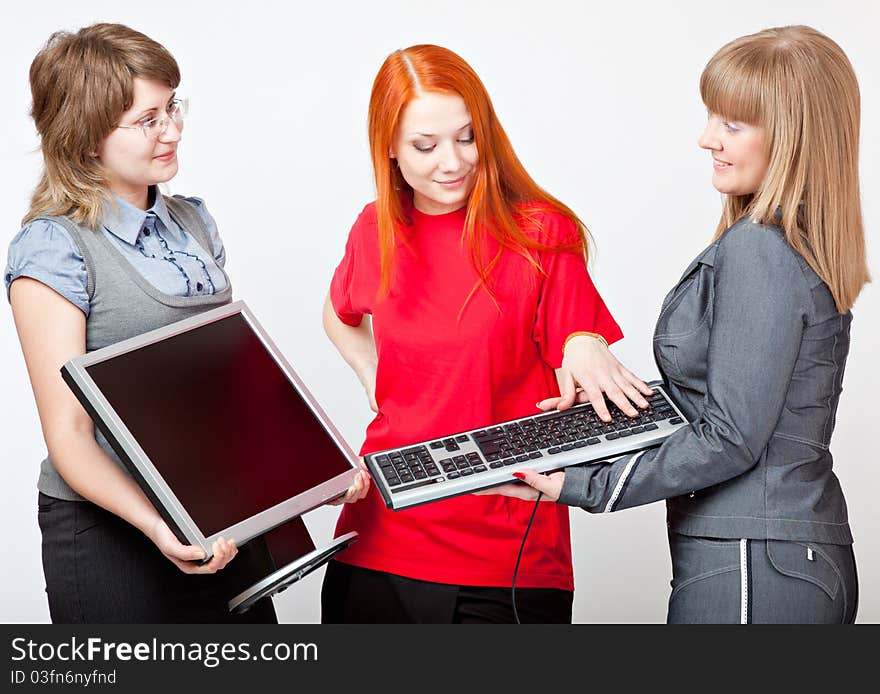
x=165, y=254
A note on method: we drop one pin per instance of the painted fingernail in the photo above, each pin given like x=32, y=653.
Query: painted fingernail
x=519, y=475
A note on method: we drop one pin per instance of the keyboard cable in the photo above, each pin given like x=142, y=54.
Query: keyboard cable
x=519, y=556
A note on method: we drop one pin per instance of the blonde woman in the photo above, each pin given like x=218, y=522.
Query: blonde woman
x=752, y=342
x=104, y=256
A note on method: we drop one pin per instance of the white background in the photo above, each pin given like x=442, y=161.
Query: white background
x=602, y=105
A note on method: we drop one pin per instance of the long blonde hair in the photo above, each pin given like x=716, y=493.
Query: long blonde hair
x=81, y=85
x=798, y=84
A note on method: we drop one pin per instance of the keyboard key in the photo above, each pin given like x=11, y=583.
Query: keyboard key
x=568, y=447
x=594, y=441
x=650, y=427
x=462, y=438
x=533, y=455
x=554, y=451
x=453, y=447
x=479, y=468
x=393, y=481
x=453, y=476
x=613, y=435
x=637, y=430
x=509, y=461
x=625, y=433
x=496, y=464
x=522, y=458
x=580, y=444
x=677, y=420
x=467, y=471
x=436, y=444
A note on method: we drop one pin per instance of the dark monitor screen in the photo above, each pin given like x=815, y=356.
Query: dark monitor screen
x=220, y=421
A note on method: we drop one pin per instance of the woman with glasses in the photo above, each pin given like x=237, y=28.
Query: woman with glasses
x=104, y=256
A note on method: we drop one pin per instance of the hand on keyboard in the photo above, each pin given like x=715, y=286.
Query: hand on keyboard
x=588, y=370
x=550, y=485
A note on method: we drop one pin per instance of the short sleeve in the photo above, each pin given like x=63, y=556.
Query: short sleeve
x=568, y=301
x=217, y=248
x=44, y=251
x=353, y=280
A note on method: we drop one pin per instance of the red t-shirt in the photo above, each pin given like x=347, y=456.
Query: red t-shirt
x=439, y=374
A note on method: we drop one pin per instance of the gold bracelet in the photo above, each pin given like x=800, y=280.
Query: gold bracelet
x=585, y=334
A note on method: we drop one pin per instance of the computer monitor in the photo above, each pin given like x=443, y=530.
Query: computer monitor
x=215, y=425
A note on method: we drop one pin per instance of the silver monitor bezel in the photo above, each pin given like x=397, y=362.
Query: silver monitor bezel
x=250, y=527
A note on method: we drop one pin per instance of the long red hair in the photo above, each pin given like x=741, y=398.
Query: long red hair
x=504, y=197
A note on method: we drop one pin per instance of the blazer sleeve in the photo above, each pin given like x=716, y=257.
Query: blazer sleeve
x=761, y=302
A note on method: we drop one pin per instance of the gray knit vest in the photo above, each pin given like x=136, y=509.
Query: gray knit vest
x=123, y=304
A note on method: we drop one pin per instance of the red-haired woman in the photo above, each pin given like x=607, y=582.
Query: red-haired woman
x=476, y=283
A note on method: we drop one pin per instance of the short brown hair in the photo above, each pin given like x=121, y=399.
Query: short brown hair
x=81, y=84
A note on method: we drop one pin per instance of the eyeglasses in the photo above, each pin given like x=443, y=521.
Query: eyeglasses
x=153, y=127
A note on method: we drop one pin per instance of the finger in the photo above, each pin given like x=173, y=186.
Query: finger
x=597, y=400
x=549, y=487
x=180, y=552
x=616, y=396
x=514, y=490
x=358, y=489
x=568, y=391
x=184, y=566
x=353, y=492
x=221, y=551
x=548, y=403
x=630, y=391
x=643, y=387
x=365, y=487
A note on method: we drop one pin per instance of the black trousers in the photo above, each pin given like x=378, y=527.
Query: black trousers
x=100, y=569
x=352, y=595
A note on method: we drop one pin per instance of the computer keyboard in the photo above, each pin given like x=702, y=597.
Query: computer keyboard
x=482, y=458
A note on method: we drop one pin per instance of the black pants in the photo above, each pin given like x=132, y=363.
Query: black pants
x=352, y=595
x=100, y=569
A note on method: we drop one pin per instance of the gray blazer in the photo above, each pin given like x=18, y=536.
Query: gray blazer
x=752, y=348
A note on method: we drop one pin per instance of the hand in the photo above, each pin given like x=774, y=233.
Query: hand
x=588, y=370
x=185, y=556
x=358, y=489
x=367, y=378
x=550, y=485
